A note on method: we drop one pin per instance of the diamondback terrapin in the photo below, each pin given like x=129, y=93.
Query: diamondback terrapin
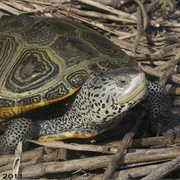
x=46, y=60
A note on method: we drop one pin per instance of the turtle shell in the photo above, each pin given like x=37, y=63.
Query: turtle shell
x=44, y=60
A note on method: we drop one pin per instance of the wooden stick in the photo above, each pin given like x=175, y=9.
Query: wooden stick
x=117, y=159
x=77, y=147
x=172, y=89
x=109, y=9
x=164, y=170
x=132, y=173
x=38, y=154
x=139, y=28
x=146, y=142
x=165, y=75
x=175, y=78
x=145, y=17
x=16, y=164
x=95, y=162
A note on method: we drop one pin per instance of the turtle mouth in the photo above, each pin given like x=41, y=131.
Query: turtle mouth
x=136, y=91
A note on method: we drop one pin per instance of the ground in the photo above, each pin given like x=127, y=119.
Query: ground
x=147, y=30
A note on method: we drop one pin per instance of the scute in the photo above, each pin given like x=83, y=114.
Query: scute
x=44, y=60
x=40, y=33
x=8, y=47
x=101, y=44
x=73, y=51
x=32, y=69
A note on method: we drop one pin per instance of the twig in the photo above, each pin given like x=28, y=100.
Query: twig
x=173, y=89
x=117, y=159
x=146, y=142
x=77, y=147
x=131, y=173
x=40, y=169
x=97, y=15
x=174, y=77
x=165, y=75
x=109, y=9
x=164, y=170
x=31, y=157
x=139, y=27
x=145, y=17
x=16, y=164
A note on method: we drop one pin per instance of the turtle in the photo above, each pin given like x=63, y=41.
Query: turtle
x=60, y=79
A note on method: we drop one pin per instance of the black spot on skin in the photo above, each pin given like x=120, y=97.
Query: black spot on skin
x=103, y=105
x=107, y=112
x=122, y=106
x=107, y=100
x=114, y=94
x=103, y=94
x=112, y=89
x=97, y=87
x=104, y=119
x=114, y=108
x=99, y=109
x=103, y=79
x=96, y=95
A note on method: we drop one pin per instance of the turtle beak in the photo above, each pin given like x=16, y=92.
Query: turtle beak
x=137, y=87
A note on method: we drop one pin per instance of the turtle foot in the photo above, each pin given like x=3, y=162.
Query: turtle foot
x=172, y=128
x=158, y=106
x=18, y=130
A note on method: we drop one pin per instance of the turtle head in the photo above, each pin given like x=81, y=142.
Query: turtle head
x=111, y=92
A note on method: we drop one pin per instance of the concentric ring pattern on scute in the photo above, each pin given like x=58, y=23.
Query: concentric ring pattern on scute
x=32, y=69
x=43, y=60
x=8, y=46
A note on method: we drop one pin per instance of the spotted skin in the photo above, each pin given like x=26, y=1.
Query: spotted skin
x=95, y=108
x=19, y=129
x=92, y=114
x=158, y=106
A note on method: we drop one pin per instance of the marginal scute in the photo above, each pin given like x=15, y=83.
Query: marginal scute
x=108, y=64
x=7, y=102
x=58, y=91
x=29, y=100
x=77, y=78
x=7, y=112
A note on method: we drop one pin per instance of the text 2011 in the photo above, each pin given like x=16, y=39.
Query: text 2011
x=12, y=176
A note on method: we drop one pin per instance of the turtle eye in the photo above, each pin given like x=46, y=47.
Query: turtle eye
x=121, y=81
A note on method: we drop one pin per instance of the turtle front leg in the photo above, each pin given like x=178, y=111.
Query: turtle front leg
x=162, y=120
x=18, y=129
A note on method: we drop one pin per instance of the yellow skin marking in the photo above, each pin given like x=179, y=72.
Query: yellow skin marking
x=73, y=134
